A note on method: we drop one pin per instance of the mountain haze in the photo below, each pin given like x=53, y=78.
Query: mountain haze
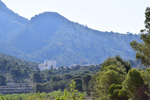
x=51, y=36
x=10, y=22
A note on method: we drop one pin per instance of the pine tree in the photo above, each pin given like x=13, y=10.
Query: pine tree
x=143, y=49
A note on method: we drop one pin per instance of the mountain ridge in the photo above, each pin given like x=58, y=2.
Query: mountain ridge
x=50, y=35
x=4, y=10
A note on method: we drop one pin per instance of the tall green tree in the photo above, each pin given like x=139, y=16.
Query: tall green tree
x=86, y=80
x=37, y=78
x=143, y=49
x=134, y=84
x=117, y=61
x=108, y=76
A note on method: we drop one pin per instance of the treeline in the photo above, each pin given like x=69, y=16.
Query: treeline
x=115, y=79
x=15, y=62
x=118, y=81
x=55, y=79
x=20, y=71
x=95, y=80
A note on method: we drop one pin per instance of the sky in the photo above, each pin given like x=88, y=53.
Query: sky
x=104, y=15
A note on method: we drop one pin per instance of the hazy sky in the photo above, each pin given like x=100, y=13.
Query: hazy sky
x=104, y=15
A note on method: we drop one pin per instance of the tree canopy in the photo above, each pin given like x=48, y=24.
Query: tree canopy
x=143, y=49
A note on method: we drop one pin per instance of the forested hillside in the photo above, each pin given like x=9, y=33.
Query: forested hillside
x=19, y=71
x=14, y=69
x=13, y=62
x=51, y=36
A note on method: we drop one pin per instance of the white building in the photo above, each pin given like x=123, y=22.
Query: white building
x=47, y=65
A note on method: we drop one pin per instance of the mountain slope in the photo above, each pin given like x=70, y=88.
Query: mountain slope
x=10, y=22
x=51, y=36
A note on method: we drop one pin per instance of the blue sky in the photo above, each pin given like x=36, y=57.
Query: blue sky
x=103, y=15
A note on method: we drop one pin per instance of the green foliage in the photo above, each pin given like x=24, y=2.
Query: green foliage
x=37, y=77
x=112, y=83
x=55, y=94
x=92, y=86
x=116, y=92
x=137, y=83
x=56, y=78
x=72, y=94
x=146, y=76
x=133, y=81
x=61, y=77
x=143, y=49
x=108, y=76
x=15, y=69
x=86, y=82
x=18, y=72
x=134, y=84
x=117, y=61
x=45, y=87
x=9, y=62
x=78, y=82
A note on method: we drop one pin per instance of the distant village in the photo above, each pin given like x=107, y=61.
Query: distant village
x=47, y=65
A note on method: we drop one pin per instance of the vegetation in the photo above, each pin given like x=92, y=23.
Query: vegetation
x=110, y=77
x=60, y=78
x=14, y=69
x=72, y=94
x=112, y=82
x=19, y=71
x=114, y=79
x=143, y=49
